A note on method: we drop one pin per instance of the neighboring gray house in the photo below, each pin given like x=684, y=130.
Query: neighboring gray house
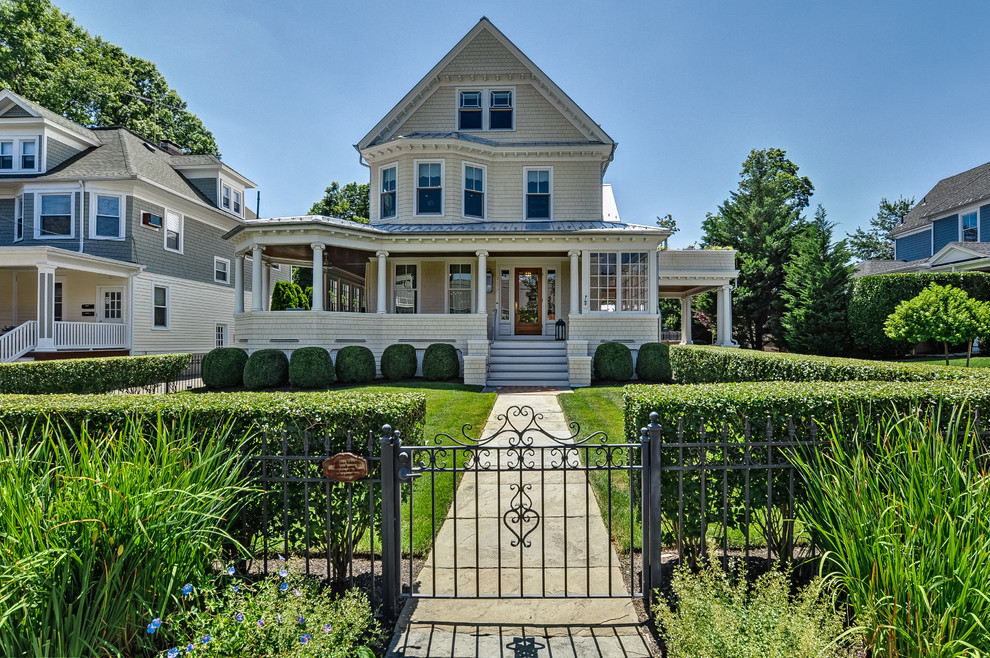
x=948, y=230
x=110, y=244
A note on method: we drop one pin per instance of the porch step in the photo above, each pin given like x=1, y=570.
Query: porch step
x=528, y=361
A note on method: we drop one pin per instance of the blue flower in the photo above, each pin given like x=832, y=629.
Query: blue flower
x=239, y=617
x=304, y=639
x=301, y=619
x=189, y=648
x=284, y=587
x=186, y=589
x=152, y=628
x=280, y=619
x=173, y=653
x=236, y=588
x=327, y=628
x=156, y=622
x=206, y=639
x=283, y=573
x=230, y=571
x=298, y=593
x=261, y=623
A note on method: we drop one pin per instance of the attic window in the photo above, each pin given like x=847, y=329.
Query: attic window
x=470, y=113
x=500, y=111
x=19, y=154
x=486, y=109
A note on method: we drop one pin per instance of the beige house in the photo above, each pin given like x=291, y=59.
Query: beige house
x=491, y=229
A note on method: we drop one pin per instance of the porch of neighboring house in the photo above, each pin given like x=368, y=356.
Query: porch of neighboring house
x=56, y=303
x=687, y=273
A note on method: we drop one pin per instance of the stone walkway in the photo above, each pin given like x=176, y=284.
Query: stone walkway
x=481, y=550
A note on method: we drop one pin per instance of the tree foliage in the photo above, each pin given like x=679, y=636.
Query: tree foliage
x=941, y=313
x=348, y=202
x=873, y=243
x=760, y=221
x=49, y=59
x=816, y=292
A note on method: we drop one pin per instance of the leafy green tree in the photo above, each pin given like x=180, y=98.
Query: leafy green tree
x=760, y=221
x=816, y=292
x=46, y=57
x=668, y=222
x=873, y=243
x=347, y=202
x=302, y=276
x=942, y=313
x=287, y=295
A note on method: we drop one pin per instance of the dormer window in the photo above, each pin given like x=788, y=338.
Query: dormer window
x=237, y=202
x=486, y=109
x=28, y=154
x=225, y=198
x=6, y=155
x=18, y=154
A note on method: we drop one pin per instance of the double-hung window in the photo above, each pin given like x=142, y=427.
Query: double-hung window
x=28, y=154
x=459, y=288
x=429, y=188
x=486, y=109
x=225, y=197
x=221, y=335
x=18, y=154
x=345, y=296
x=469, y=111
x=970, y=229
x=173, y=231
x=333, y=294
x=237, y=202
x=55, y=216
x=386, y=198
x=500, y=110
x=221, y=270
x=619, y=281
x=106, y=222
x=539, y=188
x=159, y=301
x=474, y=191
x=6, y=156
x=406, y=289
x=18, y=219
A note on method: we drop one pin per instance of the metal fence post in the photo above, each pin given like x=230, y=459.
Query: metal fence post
x=646, y=516
x=391, y=551
x=654, y=473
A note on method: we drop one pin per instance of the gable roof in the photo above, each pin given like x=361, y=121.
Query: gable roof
x=950, y=193
x=8, y=97
x=957, y=252
x=419, y=93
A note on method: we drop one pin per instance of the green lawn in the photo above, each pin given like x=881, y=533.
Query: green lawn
x=935, y=360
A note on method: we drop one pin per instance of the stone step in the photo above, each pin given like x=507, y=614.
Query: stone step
x=513, y=360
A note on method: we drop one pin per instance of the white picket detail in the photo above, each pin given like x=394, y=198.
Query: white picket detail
x=90, y=335
x=19, y=341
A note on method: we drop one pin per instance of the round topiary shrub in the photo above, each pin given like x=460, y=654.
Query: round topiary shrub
x=653, y=363
x=224, y=367
x=440, y=362
x=310, y=367
x=355, y=365
x=266, y=369
x=399, y=362
x=613, y=362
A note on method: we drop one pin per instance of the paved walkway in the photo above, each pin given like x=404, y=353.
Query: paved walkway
x=512, y=532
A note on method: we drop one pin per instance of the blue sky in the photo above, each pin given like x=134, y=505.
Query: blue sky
x=870, y=99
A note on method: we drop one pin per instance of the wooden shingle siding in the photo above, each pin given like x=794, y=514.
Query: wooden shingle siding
x=945, y=230
x=985, y=223
x=16, y=112
x=484, y=55
x=6, y=222
x=913, y=247
x=208, y=186
x=56, y=153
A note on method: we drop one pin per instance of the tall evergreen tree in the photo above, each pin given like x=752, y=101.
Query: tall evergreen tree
x=873, y=243
x=760, y=221
x=816, y=292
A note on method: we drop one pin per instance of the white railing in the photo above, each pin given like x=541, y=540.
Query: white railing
x=18, y=341
x=90, y=335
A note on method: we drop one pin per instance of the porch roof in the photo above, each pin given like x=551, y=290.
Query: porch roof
x=31, y=256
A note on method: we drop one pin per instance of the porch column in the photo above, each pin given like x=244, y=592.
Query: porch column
x=257, y=301
x=238, y=284
x=686, y=321
x=585, y=280
x=46, y=308
x=318, y=295
x=381, y=303
x=482, y=281
x=725, y=316
x=575, y=281
x=266, y=279
x=653, y=279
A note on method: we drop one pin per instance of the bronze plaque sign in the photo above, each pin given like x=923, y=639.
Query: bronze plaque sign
x=345, y=467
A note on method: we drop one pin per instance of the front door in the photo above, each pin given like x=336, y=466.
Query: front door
x=111, y=305
x=529, y=301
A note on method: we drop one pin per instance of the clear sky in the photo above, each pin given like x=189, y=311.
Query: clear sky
x=869, y=98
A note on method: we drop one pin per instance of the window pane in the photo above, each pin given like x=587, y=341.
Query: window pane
x=970, y=232
x=6, y=148
x=634, y=281
x=108, y=205
x=406, y=283
x=388, y=179
x=6, y=155
x=388, y=205
x=603, y=282
x=161, y=317
x=56, y=204
x=500, y=120
x=471, y=99
x=469, y=120
x=460, y=277
x=538, y=206
x=172, y=240
x=107, y=227
x=429, y=201
x=27, y=148
x=56, y=225
x=502, y=99
x=551, y=294
x=474, y=204
x=161, y=296
x=460, y=301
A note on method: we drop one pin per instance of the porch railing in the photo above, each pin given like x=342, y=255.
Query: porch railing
x=18, y=341
x=90, y=335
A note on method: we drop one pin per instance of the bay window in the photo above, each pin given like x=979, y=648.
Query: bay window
x=386, y=199
x=539, y=188
x=429, y=188
x=619, y=281
x=55, y=216
x=474, y=191
x=107, y=213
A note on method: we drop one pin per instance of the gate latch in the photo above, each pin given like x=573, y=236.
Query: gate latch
x=406, y=471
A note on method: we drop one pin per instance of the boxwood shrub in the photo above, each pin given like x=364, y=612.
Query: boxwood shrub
x=653, y=363
x=310, y=367
x=399, y=362
x=223, y=367
x=100, y=375
x=266, y=369
x=697, y=364
x=875, y=297
x=440, y=362
x=355, y=365
x=613, y=362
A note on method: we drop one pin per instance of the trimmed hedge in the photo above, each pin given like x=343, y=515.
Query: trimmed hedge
x=310, y=367
x=613, y=362
x=653, y=363
x=286, y=295
x=697, y=364
x=399, y=362
x=440, y=362
x=223, y=367
x=875, y=297
x=266, y=369
x=355, y=365
x=100, y=375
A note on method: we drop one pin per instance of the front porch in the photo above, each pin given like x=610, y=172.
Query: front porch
x=55, y=303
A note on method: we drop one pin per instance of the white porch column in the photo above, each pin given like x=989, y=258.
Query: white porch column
x=575, y=281
x=585, y=280
x=725, y=316
x=46, y=308
x=257, y=285
x=318, y=295
x=238, y=284
x=381, y=303
x=653, y=277
x=266, y=279
x=482, y=281
x=686, y=321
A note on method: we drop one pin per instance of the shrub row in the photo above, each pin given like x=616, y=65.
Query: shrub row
x=698, y=364
x=100, y=375
x=614, y=362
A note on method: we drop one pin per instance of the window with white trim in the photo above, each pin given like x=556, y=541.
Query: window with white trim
x=159, y=302
x=18, y=219
x=469, y=110
x=237, y=202
x=459, y=288
x=486, y=109
x=55, y=216
x=633, y=272
x=29, y=155
x=406, y=288
x=333, y=294
x=106, y=221
x=221, y=270
x=539, y=191
x=345, y=296
x=429, y=187
x=6, y=156
x=474, y=191
x=18, y=154
x=386, y=198
x=500, y=110
x=619, y=281
x=225, y=197
x=356, y=301
x=173, y=231
x=970, y=228
x=221, y=337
